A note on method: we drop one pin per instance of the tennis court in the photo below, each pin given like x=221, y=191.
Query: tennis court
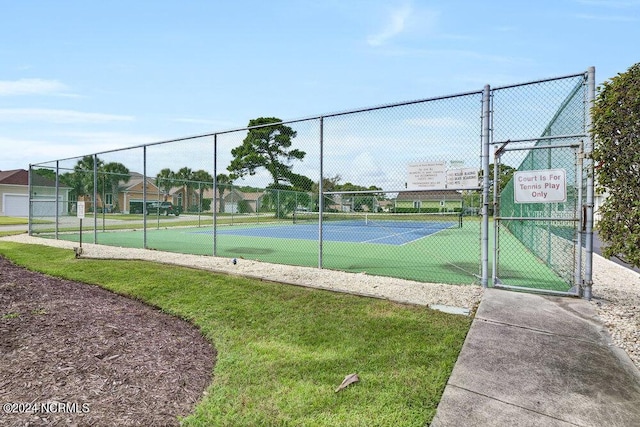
x=394, y=158
x=384, y=229
x=426, y=248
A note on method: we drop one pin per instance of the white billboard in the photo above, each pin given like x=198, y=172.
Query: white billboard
x=436, y=176
x=426, y=176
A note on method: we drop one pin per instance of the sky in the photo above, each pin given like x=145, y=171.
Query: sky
x=78, y=77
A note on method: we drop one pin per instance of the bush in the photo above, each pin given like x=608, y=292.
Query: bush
x=616, y=155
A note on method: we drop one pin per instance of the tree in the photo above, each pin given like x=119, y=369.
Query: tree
x=184, y=177
x=359, y=201
x=328, y=184
x=268, y=147
x=616, y=155
x=203, y=180
x=83, y=175
x=165, y=180
x=300, y=182
x=114, y=173
x=50, y=174
x=505, y=174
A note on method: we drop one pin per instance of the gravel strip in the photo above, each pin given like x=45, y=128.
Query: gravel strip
x=616, y=289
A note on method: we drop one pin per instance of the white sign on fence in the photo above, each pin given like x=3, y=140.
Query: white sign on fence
x=427, y=176
x=80, y=209
x=540, y=186
x=462, y=178
x=436, y=176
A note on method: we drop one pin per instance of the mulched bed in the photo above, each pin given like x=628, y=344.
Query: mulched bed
x=94, y=357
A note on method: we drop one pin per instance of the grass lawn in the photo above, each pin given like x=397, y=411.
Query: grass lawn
x=12, y=220
x=282, y=350
x=10, y=233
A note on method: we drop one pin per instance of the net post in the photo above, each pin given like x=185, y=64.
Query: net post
x=485, y=186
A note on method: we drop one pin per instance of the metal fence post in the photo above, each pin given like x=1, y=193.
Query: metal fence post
x=485, y=186
x=57, y=214
x=95, y=198
x=144, y=197
x=215, y=192
x=588, y=268
x=320, y=194
x=577, y=274
x=30, y=185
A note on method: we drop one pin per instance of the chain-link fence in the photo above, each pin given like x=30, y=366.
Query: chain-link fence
x=539, y=171
x=398, y=190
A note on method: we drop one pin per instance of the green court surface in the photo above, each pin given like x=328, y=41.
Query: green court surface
x=449, y=256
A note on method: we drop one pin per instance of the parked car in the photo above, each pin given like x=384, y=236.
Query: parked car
x=162, y=208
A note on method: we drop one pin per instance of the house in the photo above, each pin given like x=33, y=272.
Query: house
x=429, y=201
x=235, y=201
x=130, y=198
x=14, y=195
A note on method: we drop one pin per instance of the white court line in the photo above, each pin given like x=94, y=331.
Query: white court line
x=406, y=232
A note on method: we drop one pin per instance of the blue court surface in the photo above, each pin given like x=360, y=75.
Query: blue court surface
x=388, y=234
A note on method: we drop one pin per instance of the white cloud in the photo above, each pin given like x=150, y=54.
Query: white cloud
x=215, y=125
x=611, y=3
x=437, y=122
x=364, y=169
x=19, y=152
x=33, y=87
x=195, y=121
x=57, y=116
x=608, y=18
x=108, y=140
x=395, y=26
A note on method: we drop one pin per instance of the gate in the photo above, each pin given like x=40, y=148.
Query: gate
x=537, y=226
x=541, y=186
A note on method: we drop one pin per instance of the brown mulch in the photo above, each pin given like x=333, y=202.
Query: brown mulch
x=93, y=357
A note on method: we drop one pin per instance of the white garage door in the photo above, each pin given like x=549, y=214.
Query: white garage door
x=16, y=204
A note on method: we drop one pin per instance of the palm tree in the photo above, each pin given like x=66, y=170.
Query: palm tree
x=114, y=174
x=84, y=174
x=82, y=177
x=165, y=180
x=184, y=177
x=204, y=180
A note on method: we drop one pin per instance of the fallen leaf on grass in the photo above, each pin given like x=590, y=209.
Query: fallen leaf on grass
x=349, y=379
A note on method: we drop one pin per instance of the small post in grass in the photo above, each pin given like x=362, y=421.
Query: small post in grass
x=80, y=214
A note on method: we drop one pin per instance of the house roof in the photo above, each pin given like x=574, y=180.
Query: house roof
x=429, y=195
x=135, y=180
x=208, y=193
x=21, y=177
x=16, y=176
x=251, y=196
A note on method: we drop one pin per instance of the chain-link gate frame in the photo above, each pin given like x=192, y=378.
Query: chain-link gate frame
x=553, y=237
x=551, y=232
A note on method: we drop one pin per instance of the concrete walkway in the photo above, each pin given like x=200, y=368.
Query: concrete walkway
x=532, y=360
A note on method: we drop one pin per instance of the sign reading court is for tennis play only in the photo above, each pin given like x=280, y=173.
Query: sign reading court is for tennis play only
x=540, y=186
x=436, y=176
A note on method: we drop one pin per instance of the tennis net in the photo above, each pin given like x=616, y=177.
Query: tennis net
x=392, y=220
